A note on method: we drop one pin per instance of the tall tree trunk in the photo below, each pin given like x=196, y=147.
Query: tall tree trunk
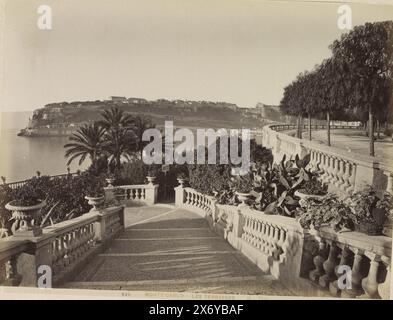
x=300, y=126
x=309, y=127
x=371, y=131
x=328, y=127
x=366, y=128
x=378, y=130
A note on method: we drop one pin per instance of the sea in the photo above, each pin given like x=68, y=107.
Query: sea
x=22, y=157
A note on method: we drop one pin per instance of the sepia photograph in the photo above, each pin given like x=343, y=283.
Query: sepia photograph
x=196, y=149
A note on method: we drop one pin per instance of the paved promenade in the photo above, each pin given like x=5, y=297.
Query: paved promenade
x=169, y=249
x=354, y=141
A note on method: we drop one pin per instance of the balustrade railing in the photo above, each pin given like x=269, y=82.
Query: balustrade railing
x=343, y=171
x=74, y=240
x=197, y=200
x=64, y=247
x=137, y=193
x=299, y=257
x=269, y=234
x=367, y=258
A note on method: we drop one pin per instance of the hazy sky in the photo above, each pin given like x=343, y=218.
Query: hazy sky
x=241, y=51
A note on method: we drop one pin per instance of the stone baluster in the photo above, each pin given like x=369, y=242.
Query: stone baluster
x=356, y=288
x=66, y=257
x=352, y=178
x=384, y=287
x=346, y=176
x=330, y=170
x=259, y=234
x=344, y=261
x=263, y=237
x=324, y=167
x=340, y=174
x=252, y=231
x=370, y=283
x=270, y=240
x=318, y=260
x=12, y=278
x=329, y=266
x=276, y=248
x=245, y=229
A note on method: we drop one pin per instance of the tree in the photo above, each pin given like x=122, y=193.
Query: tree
x=330, y=96
x=140, y=124
x=119, y=139
x=365, y=54
x=87, y=141
x=293, y=101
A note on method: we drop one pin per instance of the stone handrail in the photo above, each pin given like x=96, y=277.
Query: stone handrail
x=280, y=246
x=343, y=171
x=143, y=194
x=198, y=201
x=283, y=127
x=64, y=247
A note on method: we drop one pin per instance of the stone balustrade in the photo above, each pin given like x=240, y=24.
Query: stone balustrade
x=307, y=262
x=368, y=257
x=65, y=247
x=343, y=171
x=142, y=194
x=190, y=198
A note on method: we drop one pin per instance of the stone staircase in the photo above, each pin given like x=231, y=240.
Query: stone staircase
x=173, y=250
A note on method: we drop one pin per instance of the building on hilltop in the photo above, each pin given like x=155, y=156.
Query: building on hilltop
x=137, y=100
x=118, y=99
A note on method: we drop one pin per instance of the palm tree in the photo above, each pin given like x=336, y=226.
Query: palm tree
x=140, y=124
x=119, y=139
x=87, y=141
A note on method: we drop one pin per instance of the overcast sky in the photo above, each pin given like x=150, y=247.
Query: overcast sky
x=241, y=51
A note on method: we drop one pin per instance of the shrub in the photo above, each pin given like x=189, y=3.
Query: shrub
x=328, y=211
x=5, y=215
x=132, y=173
x=363, y=205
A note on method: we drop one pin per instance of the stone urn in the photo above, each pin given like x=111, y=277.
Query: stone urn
x=95, y=202
x=243, y=197
x=305, y=196
x=182, y=182
x=110, y=182
x=151, y=179
x=25, y=217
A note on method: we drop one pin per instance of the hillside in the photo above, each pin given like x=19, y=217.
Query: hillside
x=64, y=117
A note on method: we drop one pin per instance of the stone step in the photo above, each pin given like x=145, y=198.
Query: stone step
x=247, y=285
x=142, y=267
x=168, y=246
x=168, y=233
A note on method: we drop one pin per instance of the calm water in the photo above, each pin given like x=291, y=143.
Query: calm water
x=21, y=157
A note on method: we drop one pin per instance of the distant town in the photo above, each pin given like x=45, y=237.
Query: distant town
x=63, y=118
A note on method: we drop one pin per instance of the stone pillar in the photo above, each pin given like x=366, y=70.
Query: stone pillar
x=38, y=254
x=109, y=193
x=238, y=224
x=179, y=196
x=365, y=175
x=151, y=191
